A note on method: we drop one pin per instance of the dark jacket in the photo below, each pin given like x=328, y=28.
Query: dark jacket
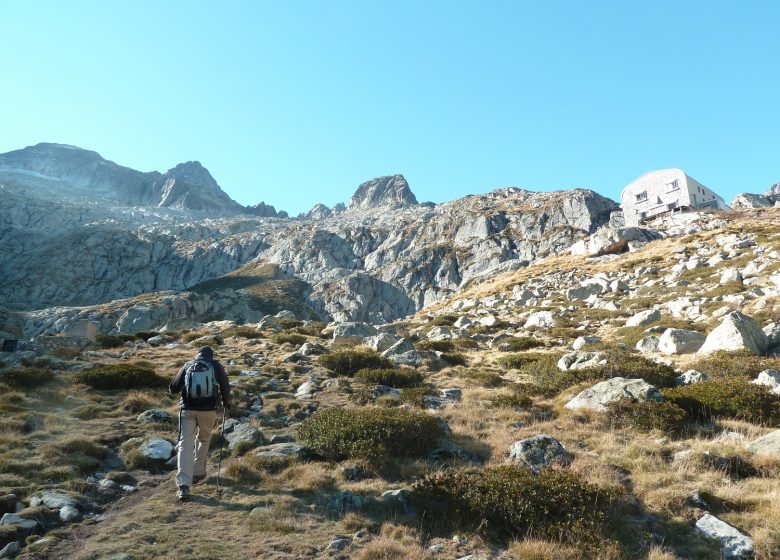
x=177, y=386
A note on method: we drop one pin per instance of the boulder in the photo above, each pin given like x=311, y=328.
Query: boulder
x=581, y=360
x=540, y=320
x=352, y=332
x=644, y=318
x=10, y=550
x=446, y=397
x=154, y=416
x=734, y=545
x=680, y=341
x=736, y=332
x=772, y=332
x=156, y=449
x=601, y=394
x=769, y=378
x=243, y=436
x=439, y=333
x=68, y=514
x=648, y=344
x=689, y=378
x=306, y=390
x=284, y=451
x=381, y=341
x=730, y=275
x=583, y=341
x=54, y=499
x=768, y=444
x=23, y=523
x=608, y=240
x=584, y=292
x=539, y=452
x=311, y=349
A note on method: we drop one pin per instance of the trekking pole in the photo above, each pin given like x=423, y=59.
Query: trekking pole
x=221, y=444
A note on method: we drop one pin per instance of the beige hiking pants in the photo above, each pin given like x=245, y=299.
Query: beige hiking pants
x=196, y=426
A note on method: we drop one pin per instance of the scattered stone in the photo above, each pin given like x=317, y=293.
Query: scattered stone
x=10, y=550
x=583, y=341
x=306, y=390
x=648, y=344
x=730, y=275
x=644, y=318
x=446, y=397
x=338, y=544
x=243, y=436
x=381, y=342
x=13, y=519
x=601, y=394
x=284, y=451
x=690, y=377
x=154, y=416
x=54, y=500
x=769, y=378
x=354, y=473
x=311, y=349
x=157, y=449
x=581, y=360
x=68, y=514
x=768, y=444
x=736, y=332
x=540, y=320
x=539, y=452
x=734, y=544
x=281, y=438
x=680, y=341
x=347, y=501
x=352, y=332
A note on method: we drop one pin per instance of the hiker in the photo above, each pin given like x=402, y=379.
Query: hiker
x=197, y=382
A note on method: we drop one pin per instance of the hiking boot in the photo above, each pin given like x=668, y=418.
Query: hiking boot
x=198, y=478
x=183, y=493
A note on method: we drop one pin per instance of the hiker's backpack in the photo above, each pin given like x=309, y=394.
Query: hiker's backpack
x=200, y=382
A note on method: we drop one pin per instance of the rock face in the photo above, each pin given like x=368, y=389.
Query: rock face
x=609, y=240
x=736, y=332
x=382, y=258
x=601, y=394
x=734, y=544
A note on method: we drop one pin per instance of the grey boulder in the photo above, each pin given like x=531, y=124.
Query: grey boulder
x=680, y=341
x=601, y=394
x=734, y=544
x=539, y=452
x=736, y=332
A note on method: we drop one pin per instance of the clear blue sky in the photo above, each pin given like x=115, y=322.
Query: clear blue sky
x=295, y=102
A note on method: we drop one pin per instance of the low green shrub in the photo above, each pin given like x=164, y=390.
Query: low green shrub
x=145, y=335
x=519, y=361
x=510, y=502
x=735, y=364
x=436, y=345
x=26, y=377
x=415, y=396
x=41, y=363
x=511, y=400
x=311, y=328
x=454, y=359
x=243, y=332
x=288, y=324
x=121, y=376
x=482, y=378
x=520, y=343
x=729, y=397
x=289, y=338
x=110, y=341
x=444, y=320
x=647, y=415
x=190, y=336
x=349, y=362
x=371, y=434
x=213, y=340
x=633, y=366
x=397, y=378
x=466, y=343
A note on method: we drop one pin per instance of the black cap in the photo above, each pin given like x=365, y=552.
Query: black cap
x=206, y=352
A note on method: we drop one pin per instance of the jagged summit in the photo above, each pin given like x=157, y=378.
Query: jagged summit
x=67, y=169
x=391, y=191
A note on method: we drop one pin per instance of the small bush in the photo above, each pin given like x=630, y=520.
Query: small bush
x=397, y=378
x=466, y=343
x=243, y=332
x=444, y=321
x=509, y=502
x=349, y=362
x=647, y=415
x=735, y=364
x=511, y=400
x=189, y=337
x=213, y=340
x=145, y=335
x=519, y=361
x=454, y=359
x=26, y=377
x=289, y=338
x=732, y=398
x=415, y=396
x=436, y=345
x=370, y=434
x=521, y=343
x=109, y=341
x=120, y=376
x=482, y=378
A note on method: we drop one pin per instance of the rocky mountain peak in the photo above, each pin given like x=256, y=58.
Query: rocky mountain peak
x=391, y=191
x=194, y=173
x=774, y=190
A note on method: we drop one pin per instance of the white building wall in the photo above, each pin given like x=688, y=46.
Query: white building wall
x=658, y=192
